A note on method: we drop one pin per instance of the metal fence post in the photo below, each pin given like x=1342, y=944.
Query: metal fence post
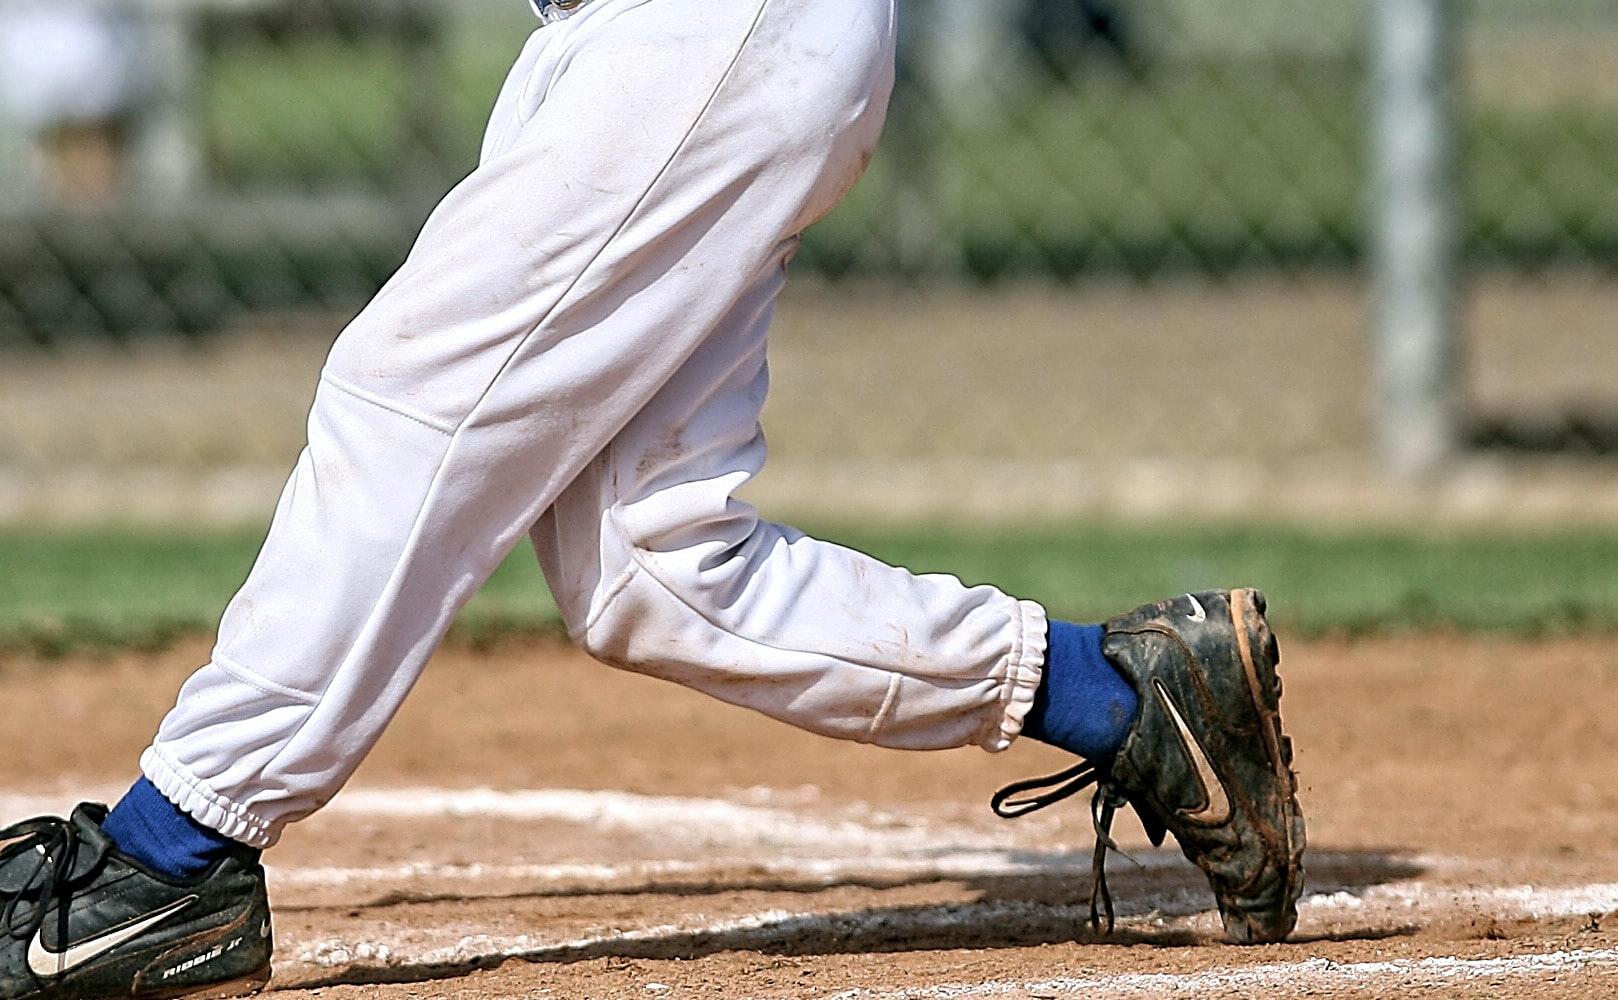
x=20, y=156
x=967, y=38
x=1415, y=239
x=948, y=54
x=166, y=158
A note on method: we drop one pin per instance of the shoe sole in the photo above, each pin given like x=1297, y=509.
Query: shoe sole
x=1240, y=601
x=246, y=986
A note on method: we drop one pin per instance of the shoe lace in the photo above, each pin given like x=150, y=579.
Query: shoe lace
x=55, y=846
x=1033, y=794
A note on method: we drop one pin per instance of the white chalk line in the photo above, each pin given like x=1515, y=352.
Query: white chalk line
x=684, y=817
x=1515, y=902
x=1290, y=978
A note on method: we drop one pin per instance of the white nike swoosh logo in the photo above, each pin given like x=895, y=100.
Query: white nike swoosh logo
x=1217, y=809
x=1197, y=614
x=48, y=964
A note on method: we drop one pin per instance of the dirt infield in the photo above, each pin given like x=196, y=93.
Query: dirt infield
x=536, y=825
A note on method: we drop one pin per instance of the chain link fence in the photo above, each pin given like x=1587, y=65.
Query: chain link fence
x=1061, y=184
x=266, y=154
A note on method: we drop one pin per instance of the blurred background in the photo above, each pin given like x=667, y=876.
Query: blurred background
x=1337, y=266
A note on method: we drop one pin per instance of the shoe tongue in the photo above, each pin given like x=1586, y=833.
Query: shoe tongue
x=93, y=841
x=1124, y=651
x=30, y=868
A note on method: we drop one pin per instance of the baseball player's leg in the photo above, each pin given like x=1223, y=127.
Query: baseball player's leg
x=650, y=164
x=658, y=568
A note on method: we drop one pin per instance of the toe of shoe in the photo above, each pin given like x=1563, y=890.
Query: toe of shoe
x=1257, y=926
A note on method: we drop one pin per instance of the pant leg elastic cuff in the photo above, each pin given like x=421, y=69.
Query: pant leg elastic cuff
x=204, y=805
x=1024, y=669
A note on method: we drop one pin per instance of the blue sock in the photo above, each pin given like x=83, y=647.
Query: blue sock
x=154, y=831
x=1083, y=704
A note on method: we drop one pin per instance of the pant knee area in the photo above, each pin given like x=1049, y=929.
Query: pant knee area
x=638, y=625
x=666, y=590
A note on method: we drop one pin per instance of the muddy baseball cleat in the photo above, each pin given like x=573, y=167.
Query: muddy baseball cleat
x=80, y=921
x=1206, y=759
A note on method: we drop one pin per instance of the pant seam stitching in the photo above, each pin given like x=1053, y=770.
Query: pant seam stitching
x=266, y=686
x=364, y=396
x=618, y=587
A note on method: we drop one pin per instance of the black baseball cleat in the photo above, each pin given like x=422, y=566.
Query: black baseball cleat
x=81, y=921
x=1206, y=760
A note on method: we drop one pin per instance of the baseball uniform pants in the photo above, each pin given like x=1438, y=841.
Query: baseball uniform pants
x=575, y=351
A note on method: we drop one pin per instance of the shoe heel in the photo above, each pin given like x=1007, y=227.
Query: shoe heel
x=1253, y=642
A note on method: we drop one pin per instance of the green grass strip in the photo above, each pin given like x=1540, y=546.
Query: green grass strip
x=1317, y=581
x=114, y=589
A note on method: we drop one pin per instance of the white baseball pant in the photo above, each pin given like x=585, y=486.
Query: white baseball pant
x=575, y=349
